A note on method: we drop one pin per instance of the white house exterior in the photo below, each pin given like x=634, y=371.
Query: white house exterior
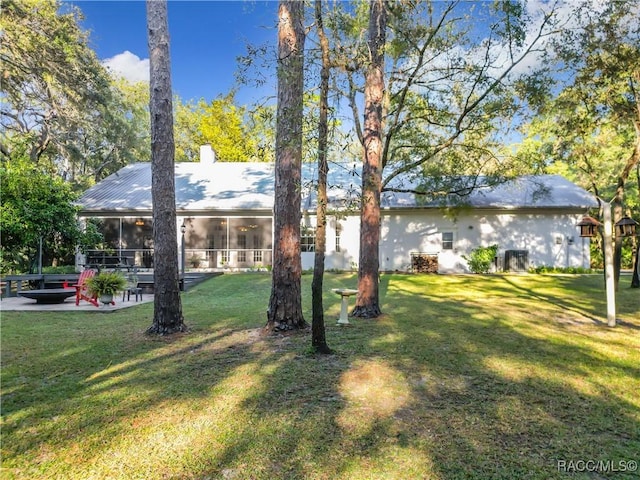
x=227, y=211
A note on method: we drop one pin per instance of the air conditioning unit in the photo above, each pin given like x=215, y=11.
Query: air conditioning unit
x=516, y=260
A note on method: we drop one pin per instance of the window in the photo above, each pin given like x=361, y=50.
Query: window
x=447, y=240
x=257, y=256
x=242, y=256
x=307, y=239
x=338, y=231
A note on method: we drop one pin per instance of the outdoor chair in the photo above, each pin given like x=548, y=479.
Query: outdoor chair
x=132, y=287
x=82, y=292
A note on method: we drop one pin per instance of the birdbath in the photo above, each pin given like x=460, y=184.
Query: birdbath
x=345, y=293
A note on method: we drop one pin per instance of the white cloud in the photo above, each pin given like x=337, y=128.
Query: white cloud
x=130, y=66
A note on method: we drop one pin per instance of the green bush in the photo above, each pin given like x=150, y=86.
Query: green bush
x=481, y=258
x=60, y=269
x=570, y=270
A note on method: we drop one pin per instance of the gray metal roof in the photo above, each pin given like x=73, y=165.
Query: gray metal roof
x=220, y=186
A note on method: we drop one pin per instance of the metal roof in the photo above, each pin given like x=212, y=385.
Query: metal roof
x=221, y=186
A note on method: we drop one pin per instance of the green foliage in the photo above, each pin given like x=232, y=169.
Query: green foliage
x=195, y=260
x=36, y=205
x=588, y=131
x=59, y=269
x=60, y=105
x=220, y=123
x=481, y=258
x=106, y=283
x=568, y=270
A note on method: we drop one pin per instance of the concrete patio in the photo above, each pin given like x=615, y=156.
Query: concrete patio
x=69, y=305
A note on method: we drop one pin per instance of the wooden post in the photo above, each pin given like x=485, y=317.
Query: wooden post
x=608, y=264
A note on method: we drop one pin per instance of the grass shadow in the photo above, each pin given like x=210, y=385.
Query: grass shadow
x=463, y=377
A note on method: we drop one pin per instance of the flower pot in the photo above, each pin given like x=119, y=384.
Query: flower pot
x=106, y=298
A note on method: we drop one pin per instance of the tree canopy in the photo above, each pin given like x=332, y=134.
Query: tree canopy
x=220, y=123
x=37, y=206
x=60, y=103
x=587, y=127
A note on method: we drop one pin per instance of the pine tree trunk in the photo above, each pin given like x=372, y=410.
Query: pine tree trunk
x=167, y=315
x=285, y=304
x=318, y=334
x=367, y=302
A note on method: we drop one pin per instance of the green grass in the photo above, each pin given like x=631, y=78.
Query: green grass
x=496, y=377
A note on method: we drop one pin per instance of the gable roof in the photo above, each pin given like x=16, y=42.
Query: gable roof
x=222, y=186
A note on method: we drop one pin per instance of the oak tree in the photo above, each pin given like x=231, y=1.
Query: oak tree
x=588, y=127
x=447, y=96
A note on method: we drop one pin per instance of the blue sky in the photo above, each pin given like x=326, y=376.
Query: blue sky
x=206, y=38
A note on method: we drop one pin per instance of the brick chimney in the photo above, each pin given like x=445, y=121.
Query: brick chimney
x=207, y=154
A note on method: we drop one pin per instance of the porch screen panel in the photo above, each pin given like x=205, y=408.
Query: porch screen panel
x=250, y=240
x=110, y=229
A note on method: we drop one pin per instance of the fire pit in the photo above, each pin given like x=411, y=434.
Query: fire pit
x=48, y=295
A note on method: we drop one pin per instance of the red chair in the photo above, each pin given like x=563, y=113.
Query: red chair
x=81, y=288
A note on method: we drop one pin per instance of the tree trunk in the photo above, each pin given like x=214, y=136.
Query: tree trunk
x=318, y=335
x=167, y=315
x=635, y=278
x=367, y=302
x=285, y=304
x=632, y=162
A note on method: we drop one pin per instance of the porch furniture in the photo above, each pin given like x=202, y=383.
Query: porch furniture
x=48, y=295
x=102, y=259
x=132, y=287
x=82, y=292
x=345, y=293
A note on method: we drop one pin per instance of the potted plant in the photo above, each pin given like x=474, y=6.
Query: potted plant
x=195, y=260
x=105, y=285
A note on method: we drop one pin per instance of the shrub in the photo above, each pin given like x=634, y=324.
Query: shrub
x=570, y=270
x=481, y=258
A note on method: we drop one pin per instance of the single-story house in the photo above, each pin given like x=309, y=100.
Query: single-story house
x=227, y=209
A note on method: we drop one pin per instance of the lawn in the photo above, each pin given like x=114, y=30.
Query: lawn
x=497, y=376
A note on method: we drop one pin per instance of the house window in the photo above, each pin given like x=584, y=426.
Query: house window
x=257, y=256
x=338, y=231
x=307, y=239
x=224, y=257
x=447, y=240
x=242, y=256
